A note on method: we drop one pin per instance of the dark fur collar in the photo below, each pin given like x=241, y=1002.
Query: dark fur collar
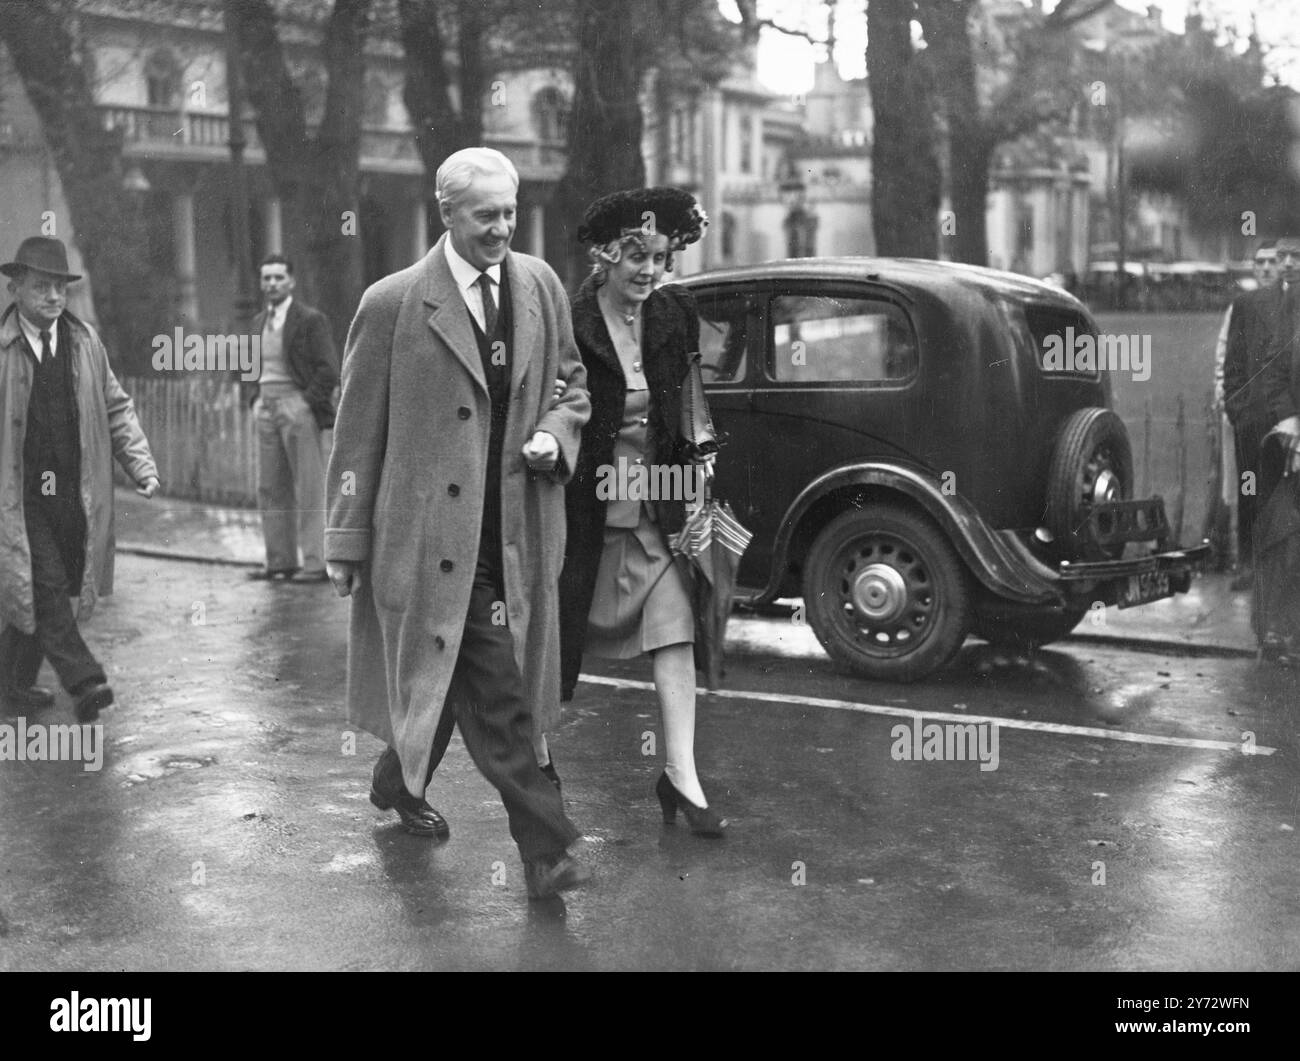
x=592, y=335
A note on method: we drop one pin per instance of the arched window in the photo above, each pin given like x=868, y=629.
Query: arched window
x=551, y=115
x=162, y=78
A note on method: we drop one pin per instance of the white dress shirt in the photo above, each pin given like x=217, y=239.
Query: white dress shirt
x=466, y=277
x=275, y=314
x=33, y=334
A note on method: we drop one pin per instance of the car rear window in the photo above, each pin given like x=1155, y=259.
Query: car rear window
x=724, y=336
x=1052, y=329
x=823, y=339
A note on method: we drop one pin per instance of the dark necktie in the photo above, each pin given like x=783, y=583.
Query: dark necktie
x=46, y=353
x=489, y=305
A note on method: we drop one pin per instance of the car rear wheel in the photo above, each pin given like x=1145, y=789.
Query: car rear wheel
x=1092, y=462
x=886, y=594
x=1025, y=632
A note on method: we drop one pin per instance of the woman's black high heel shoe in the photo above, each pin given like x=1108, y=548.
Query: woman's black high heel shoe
x=704, y=821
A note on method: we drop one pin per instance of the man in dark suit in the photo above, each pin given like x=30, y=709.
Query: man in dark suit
x=1277, y=538
x=1252, y=322
x=294, y=402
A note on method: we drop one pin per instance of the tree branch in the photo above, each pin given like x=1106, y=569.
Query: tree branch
x=751, y=24
x=1070, y=12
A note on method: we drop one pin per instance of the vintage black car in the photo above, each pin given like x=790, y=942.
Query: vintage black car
x=914, y=466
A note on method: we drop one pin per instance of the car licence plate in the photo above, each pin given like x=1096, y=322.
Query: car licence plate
x=1142, y=589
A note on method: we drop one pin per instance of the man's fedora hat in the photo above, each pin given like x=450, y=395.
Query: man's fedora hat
x=43, y=254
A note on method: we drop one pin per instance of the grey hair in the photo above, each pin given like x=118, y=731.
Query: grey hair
x=457, y=173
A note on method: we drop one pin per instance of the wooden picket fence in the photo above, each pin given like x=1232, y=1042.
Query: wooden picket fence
x=203, y=437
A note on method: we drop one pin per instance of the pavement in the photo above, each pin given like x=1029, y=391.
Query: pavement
x=1138, y=812
x=1208, y=619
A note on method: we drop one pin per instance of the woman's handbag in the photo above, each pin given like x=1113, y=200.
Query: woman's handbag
x=699, y=437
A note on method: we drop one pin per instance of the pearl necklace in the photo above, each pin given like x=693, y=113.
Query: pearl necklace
x=630, y=319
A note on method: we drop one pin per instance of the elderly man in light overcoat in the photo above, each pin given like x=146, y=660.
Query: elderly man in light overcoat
x=458, y=425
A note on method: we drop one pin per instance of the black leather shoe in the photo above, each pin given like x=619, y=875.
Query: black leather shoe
x=269, y=574
x=418, y=818
x=32, y=699
x=549, y=771
x=546, y=878
x=92, y=700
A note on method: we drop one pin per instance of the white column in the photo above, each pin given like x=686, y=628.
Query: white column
x=187, y=297
x=272, y=233
x=419, y=229
x=537, y=231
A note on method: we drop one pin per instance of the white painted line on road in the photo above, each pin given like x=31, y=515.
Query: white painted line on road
x=948, y=716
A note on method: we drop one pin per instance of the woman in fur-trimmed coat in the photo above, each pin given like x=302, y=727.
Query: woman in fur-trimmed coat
x=621, y=594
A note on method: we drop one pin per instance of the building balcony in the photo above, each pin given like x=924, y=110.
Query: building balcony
x=165, y=134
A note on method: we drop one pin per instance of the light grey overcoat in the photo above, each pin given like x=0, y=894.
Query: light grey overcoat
x=107, y=428
x=405, y=491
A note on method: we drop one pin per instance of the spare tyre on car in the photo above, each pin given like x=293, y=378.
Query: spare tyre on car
x=1092, y=464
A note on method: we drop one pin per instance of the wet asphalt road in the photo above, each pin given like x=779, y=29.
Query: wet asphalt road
x=229, y=827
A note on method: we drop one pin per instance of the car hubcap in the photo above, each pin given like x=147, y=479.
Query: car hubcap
x=1105, y=487
x=1101, y=482
x=886, y=595
x=879, y=592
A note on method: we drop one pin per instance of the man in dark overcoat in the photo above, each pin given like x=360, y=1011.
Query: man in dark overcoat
x=446, y=512
x=1276, y=611
x=1252, y=325
x=63, y=418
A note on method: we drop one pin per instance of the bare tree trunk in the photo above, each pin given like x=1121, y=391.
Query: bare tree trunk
x=131, y=301
x=442, y=128
x=605, y=124
x=970, y=147
x=905, y=170
x=975, y=131
x=316, y=178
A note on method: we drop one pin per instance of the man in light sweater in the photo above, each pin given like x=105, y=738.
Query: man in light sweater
x=294, y=402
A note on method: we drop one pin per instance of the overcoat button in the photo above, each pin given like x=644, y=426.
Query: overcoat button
x=463, y=412
x=454, y=490
x=446, y=565
x=439, y=643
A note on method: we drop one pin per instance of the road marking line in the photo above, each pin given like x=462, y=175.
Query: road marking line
x=948, y=716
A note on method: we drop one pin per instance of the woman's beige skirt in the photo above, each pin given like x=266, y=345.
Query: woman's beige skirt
x=641, y=602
